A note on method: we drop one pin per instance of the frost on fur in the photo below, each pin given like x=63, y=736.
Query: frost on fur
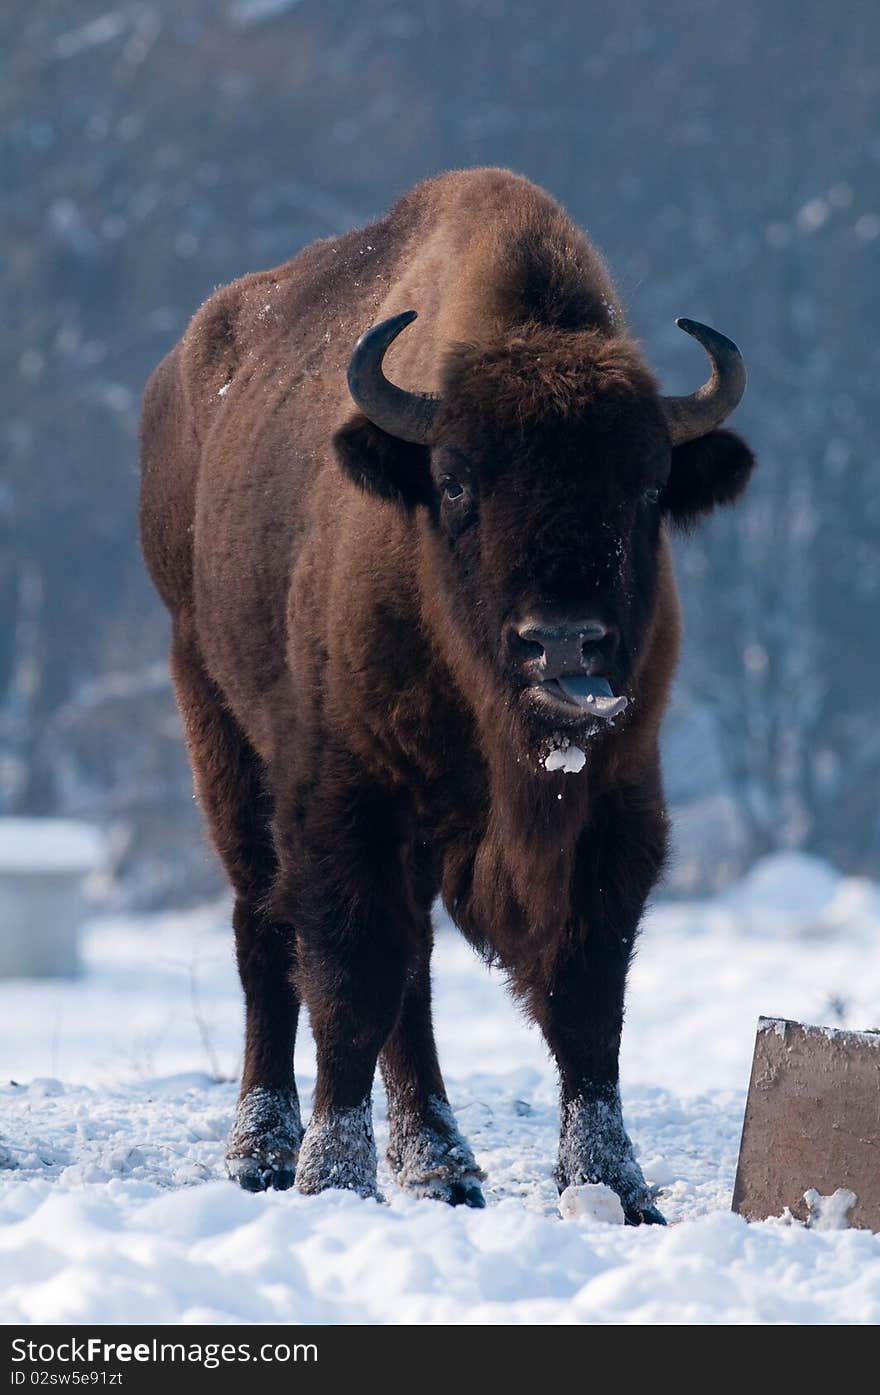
x=265, y=1139
x=595, y=1147
x=430, y=1158
x=339, y=1151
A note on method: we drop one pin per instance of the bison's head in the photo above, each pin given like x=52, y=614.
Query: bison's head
x=544, y=472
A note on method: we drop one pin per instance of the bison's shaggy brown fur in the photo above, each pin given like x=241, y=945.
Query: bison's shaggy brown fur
x=360, y=710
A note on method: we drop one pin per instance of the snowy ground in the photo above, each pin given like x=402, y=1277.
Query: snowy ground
x=112, y=1127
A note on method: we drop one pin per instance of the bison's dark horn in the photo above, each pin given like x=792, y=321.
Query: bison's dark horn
x=407, y=415
x=690, y=417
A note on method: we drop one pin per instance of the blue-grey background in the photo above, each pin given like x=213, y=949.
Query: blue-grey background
x=725, y=157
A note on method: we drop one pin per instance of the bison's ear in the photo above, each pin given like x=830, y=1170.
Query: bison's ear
x=382, y=464
x=706, y=474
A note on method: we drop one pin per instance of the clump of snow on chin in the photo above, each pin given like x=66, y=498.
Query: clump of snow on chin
x=591, y=1201
x=566, y=757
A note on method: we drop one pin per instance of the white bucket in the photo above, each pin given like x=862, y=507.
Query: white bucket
x=43, y=866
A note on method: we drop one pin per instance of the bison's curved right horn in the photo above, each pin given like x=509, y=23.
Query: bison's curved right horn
x=690, y=417
x=407, y=415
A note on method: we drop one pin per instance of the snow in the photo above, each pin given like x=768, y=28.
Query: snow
x=40, y=846
x=790, y=882
x=95, y=32
x=245, y=13
x=114, y=1206
x=591, y=1201
x=566, y=757
x=829, y=1212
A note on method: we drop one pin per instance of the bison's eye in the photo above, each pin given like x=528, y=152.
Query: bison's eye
x=457, y=506
x=652, y=495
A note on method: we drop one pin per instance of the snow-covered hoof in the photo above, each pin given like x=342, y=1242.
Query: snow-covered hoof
x=265, y=1140
x=595, y=1147
x=647, y=1215
x=338, y=1151
x=429, y=1157
x=465, y=1194
x=461, y=1191
x=258, y=1174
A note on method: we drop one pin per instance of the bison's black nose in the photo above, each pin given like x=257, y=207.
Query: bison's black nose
x=555, y=648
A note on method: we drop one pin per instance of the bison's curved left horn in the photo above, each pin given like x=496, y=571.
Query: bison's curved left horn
x=407, y=415
x=690, y=417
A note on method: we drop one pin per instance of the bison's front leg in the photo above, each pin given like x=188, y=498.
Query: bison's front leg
x=582, y=1018
x=594, y=1146
x=577, y=994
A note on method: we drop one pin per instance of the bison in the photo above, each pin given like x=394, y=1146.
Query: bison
x=423, y=648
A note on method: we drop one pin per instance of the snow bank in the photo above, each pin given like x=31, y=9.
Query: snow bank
x=113, y=1206
x=118, y=1213
x=791, y=882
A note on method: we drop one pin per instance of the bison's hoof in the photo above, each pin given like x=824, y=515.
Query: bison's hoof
x=460, y=1192
x=256, y=1174
x=595, y=1147
x=265, y=1139
x=338, y=1151
x=466, y=1194
x=645, y=1215
x=429, y=1157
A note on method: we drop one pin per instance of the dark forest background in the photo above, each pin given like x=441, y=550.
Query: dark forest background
x=725, y=157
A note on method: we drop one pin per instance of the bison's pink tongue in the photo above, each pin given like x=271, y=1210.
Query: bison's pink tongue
x=592, y=695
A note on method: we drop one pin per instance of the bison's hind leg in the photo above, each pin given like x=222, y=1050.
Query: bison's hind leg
x=267, y=1132
x=430, y=1158
x=426, y=1152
